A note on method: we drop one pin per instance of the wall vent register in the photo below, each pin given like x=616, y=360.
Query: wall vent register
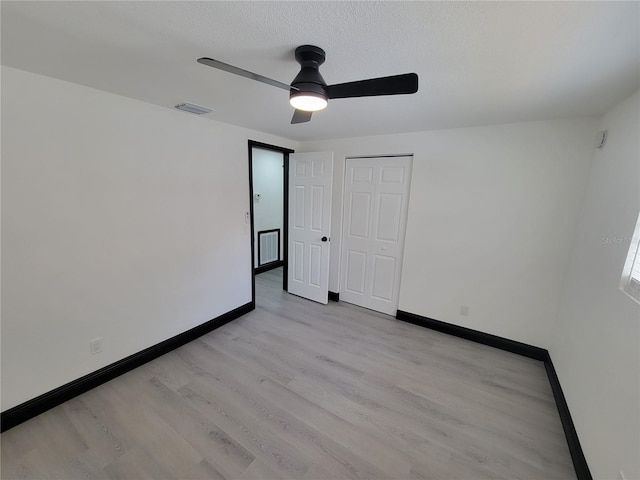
x=268, y=246
x=193, y=108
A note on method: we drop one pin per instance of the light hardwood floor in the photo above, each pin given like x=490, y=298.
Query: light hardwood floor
x=296, y=390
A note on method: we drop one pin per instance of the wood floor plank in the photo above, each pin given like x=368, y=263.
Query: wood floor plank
x=218, y=448
x=243, y=389
x=103, y=436
x=84, y=466
x=275, y=451
x=258, y=470
x=136, y=463
x=299, y=390
x=40, y=452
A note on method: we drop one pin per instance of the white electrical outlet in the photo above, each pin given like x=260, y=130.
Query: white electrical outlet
x=95, y=345
x=464, y=310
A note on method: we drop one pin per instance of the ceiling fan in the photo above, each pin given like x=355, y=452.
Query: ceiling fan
x=309, y=92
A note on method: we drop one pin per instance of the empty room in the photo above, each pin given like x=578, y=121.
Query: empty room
x=320, y=240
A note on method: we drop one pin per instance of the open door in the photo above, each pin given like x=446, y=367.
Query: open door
x=310, y=181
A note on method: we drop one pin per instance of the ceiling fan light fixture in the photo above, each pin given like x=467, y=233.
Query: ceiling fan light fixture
x=307, y=101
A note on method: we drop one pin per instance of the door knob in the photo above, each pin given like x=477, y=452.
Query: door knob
x=324, y=239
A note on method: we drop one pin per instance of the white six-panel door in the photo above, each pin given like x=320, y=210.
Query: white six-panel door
x=310, y=181
x=374, y=223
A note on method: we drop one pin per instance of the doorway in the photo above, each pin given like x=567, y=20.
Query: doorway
x=268, y=207
x=376, y=199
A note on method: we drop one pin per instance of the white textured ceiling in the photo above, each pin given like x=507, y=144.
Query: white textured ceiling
x=478, y=62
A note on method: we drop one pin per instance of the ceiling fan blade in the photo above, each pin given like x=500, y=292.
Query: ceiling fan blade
x=394, y=85
x=300, y=116
x=210, y=62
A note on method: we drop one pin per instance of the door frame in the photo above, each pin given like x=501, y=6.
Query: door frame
x=285, y=214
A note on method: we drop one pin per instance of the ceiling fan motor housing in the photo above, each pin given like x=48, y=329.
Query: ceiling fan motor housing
x=309, y=80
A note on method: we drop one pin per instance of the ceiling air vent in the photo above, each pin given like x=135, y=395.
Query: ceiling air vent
x=193, y=108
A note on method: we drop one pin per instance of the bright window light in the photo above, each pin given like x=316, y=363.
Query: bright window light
x=630, y=281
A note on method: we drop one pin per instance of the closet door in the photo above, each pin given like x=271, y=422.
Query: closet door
x=375, y=217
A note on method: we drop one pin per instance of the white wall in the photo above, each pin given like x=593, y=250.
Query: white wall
x=596, y=341
x=125, y=220
x=268, y=174
x=120, y=220
x=492, y=212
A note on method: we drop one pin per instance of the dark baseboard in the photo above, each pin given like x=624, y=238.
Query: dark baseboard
x=334, y=296
x=268, y=266
x=31, y=408
x=577, y=455
x=502, y=343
